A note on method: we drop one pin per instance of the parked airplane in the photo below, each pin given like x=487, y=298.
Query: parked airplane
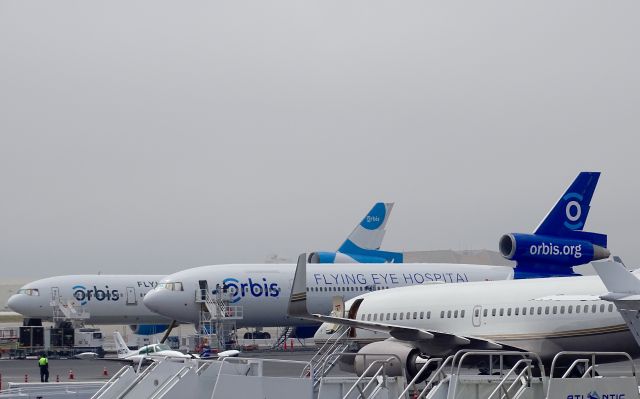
x=148, y=352
x=117, y=299
x=538, y=315
x=263, y=290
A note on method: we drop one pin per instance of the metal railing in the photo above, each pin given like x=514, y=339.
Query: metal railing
x=372, y=378
x=461, y=356
x=112, y=380
x=331, y=359
x=589, y=361
x=331, y=346
x=524, y=377
x=416, y=379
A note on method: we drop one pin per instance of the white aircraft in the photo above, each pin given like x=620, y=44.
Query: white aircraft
x=148, y=352
x=263, y=290
x=538, y=315
x=104, y=299
x=117, y=299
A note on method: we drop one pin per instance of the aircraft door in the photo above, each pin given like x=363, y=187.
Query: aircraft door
x=476, y=318
x=204, y=288
x=131, y=296
x=55, y=293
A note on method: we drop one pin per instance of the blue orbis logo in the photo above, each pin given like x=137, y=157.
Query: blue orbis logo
x=84, y=295
x=556, y=250
x=375, y=217
x=239, y=290
x=573, y=211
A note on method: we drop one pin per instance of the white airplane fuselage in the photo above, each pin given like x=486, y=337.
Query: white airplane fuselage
x=109, y=299
x=540, y=315
x=263, y=290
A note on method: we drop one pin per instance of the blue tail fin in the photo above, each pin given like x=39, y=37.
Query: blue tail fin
x=368, y=235
x=558, y=243
x=570, y=213
x=363, y=244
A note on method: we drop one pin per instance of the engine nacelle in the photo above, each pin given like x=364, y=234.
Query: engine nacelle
x=339, y=257
x=411, y=360
x=534, y=249
x=148, y=329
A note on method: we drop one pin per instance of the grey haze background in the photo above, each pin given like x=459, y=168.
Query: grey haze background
x=149, y=136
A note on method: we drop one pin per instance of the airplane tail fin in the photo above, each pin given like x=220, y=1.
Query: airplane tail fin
x=121, y=347
x=369, y=233
x=569, y=214
x=624, y=292
x=617, y=278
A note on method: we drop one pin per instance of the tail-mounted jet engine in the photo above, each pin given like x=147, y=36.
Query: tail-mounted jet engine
x=548, y=252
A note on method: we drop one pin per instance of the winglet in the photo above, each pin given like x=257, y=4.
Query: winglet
x=298, y=299
x=617, y=278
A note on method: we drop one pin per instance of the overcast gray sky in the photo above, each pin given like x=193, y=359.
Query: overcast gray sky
x=149, y=136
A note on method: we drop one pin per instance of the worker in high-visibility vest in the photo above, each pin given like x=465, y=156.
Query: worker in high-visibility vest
x=43, y=363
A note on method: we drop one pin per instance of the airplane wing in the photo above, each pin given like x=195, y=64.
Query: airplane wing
x=298, y=309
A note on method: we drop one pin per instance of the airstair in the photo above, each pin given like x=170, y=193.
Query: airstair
x=328, y=355
x=468, y=374
x=218, y=317
x=456, y=377
x=283, y=337
x=228, y=378
x=68, y=311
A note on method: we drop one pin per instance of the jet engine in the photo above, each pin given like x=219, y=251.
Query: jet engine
x=411, y=359
x=548, y=250
x=148, y=329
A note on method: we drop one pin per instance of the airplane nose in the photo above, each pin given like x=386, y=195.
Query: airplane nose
x=171, y=304
x=153, y=301
x=17, y=303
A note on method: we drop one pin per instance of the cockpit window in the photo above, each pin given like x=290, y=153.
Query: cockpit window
x=173, y=286
x=29, y=291
x=162, y=347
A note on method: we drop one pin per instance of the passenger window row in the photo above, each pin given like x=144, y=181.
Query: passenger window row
x=460, y=314
x=531, y=311
x=396, y=316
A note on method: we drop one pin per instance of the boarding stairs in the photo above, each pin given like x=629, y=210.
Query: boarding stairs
x=68, y=311
x=525, y=379
x=284, y=336
x=504, y=375
x=328, y=355
x=215, y=379
x=218, y=307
